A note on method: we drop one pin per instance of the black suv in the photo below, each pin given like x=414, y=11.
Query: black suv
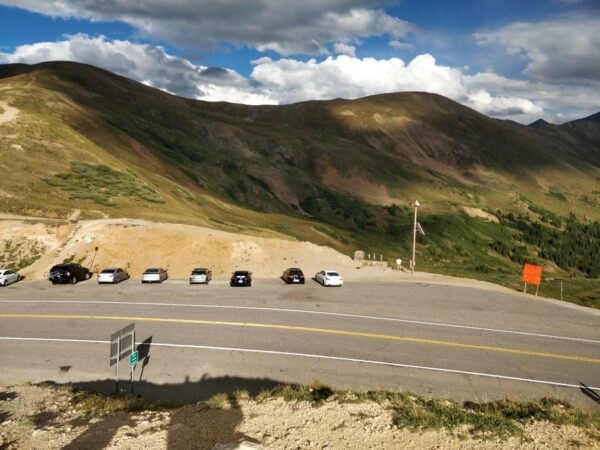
x=241, y=278
x=293, y=275
x=68, y=273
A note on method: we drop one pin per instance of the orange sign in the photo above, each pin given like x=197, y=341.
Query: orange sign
x=532, y=274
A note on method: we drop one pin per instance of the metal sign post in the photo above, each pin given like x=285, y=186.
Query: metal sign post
x=133, y=360
x=122, y=344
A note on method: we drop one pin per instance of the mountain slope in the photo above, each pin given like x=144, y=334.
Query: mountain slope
x=340, y=172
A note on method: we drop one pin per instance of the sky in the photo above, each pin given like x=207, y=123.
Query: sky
x=518, y=60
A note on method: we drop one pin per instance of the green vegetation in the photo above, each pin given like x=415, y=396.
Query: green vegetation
x=100, y=184
x=18, y=254
x=501, y=418
x=557, y=195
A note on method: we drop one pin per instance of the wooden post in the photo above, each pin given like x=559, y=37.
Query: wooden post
x=525, y=288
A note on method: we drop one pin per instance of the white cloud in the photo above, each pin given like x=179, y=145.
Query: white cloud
x=284, y=26
x=289, y=80
x=394, y=43
x=344, y=49
x=148, y=64
x=561, y=50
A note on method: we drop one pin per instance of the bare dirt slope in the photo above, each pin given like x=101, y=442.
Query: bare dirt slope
x=137, y=244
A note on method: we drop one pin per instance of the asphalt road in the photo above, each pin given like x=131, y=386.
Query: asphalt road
x=460, y=342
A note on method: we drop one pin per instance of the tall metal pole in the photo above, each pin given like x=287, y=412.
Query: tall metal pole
x=414, y=247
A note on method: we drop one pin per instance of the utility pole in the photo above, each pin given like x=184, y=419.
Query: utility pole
x=412, y=262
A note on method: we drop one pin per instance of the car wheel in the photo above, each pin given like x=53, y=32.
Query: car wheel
x=87, y=276
x=74, y=280
x=5, y=283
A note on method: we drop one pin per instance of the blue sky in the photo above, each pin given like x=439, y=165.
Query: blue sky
x=519, y=60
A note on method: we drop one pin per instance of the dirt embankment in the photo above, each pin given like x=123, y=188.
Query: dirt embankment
x=137, y=245
x=42, y=418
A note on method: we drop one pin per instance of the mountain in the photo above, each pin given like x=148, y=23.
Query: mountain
x=341, y=172
x=540, y=123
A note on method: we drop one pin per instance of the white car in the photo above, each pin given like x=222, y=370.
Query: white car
x=329, y=278
x=154, y=276
x=8, y=277
x=113, y=276
x=200, y=276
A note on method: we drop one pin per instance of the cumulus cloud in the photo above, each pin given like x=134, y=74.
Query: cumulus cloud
x=394, y=43
x=284, y=26
x=149, y=64
x=344, y=49
x=561, y=50
x=288, y=80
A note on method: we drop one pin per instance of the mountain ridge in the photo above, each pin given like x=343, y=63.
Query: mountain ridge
x=338, y=172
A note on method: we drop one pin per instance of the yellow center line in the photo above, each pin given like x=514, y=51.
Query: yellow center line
x=307, y=329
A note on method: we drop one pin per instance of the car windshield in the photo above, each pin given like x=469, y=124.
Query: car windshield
x=333, y=274
x=241, y=274
x=199, y=272
x=151, y=271
x=109, y=271
x=296, y=272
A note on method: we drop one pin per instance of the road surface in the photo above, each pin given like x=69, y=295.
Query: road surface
x=454, y=341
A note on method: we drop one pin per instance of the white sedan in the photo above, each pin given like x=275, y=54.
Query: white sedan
x=8, y=276
x=329, y=278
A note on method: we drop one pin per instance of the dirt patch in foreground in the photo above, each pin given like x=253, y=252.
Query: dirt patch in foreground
x=40, y=417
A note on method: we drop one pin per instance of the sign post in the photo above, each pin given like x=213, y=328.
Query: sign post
x=532, y=274
x=133, y=360
x=122, y=344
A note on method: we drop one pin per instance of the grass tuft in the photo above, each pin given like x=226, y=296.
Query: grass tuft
x=100, y=184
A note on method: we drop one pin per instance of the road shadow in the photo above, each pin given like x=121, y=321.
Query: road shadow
x=590, y=393
x=192, y=425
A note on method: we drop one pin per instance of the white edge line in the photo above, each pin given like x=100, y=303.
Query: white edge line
x=324, y=313
x=309, y=355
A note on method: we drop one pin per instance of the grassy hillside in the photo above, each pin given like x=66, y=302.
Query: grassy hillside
x=340, y=173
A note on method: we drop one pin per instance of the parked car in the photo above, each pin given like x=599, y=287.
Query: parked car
x=293, y=275
x=200, y=276
x=154, y=276
x=113, y=276
x=8, y=276
x=241, y=278
x=329, y=278
x=68, y=273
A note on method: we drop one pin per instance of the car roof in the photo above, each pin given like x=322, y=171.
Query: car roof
x=295, y=268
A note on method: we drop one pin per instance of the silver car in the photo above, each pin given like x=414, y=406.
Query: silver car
x=200, y=276
x=154, y=275
x=8, y=277
x=112, y=276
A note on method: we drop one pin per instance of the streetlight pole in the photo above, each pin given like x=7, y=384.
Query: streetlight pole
x=412, y=262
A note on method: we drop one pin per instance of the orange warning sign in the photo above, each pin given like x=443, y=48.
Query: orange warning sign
x=532, y=274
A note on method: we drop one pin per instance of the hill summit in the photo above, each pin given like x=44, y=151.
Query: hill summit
x=342, y=172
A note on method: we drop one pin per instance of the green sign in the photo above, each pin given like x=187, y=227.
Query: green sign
x=134, y=358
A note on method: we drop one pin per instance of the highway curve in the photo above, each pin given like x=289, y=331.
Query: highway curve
x=461, y=342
